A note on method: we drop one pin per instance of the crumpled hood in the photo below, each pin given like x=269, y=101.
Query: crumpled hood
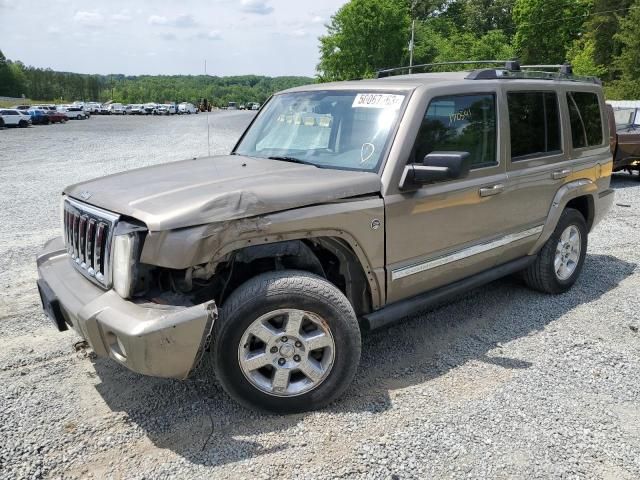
x=214, y=189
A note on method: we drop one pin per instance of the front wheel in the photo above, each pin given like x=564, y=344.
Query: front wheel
x=286, y=342
x=561, y=259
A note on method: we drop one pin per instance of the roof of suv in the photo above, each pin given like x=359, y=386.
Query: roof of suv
x=409, y=82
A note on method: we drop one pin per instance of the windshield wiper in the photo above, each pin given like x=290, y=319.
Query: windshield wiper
x=291, y=159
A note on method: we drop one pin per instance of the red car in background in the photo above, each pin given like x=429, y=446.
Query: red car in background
x=54, y=115
x=57, y=117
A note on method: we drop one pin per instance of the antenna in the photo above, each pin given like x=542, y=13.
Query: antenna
x=207, y=115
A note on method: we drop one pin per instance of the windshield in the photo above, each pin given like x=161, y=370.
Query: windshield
x=626, y=117
x=330, y=129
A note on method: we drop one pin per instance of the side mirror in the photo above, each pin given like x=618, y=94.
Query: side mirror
x=436, y=167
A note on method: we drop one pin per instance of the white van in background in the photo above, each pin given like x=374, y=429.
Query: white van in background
x=116, y=109
x=186, y=107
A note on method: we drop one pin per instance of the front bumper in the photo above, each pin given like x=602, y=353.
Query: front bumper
x=152, y=339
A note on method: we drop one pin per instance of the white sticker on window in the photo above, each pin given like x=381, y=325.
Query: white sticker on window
x=377, y=100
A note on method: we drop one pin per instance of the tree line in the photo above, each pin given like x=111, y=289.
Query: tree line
x=16, y=80
x=599, y=37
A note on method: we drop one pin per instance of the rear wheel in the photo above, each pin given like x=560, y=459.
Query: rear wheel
x=561, y=259
x=286, y=342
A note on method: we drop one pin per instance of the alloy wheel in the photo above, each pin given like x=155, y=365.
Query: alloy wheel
x=287, y=352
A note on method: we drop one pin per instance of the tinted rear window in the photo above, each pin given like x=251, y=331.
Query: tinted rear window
x=586, y=121
x=535, y=124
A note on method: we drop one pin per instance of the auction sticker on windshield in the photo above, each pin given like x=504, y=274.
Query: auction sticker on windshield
x=377, y=100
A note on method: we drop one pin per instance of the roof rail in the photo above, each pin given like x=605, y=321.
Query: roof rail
x=564, y=68
x=527, y=73
x=507, y=64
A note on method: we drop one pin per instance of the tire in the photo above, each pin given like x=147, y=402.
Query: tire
x=298, y=291
x=23, y=124
x=542, y=275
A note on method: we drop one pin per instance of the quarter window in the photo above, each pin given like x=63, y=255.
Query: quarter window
x=534, y=122
x=586, y=121
x=465, y=123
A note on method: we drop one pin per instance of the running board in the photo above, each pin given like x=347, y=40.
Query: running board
x=399, y=310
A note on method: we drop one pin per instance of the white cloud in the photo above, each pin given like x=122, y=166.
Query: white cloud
x=273, y=37
x=180, y=21
x=184, y=21
x=88, y=19
x=211, y=35
x=158, y=20
x=168, y=36
x=261, y=7
x=120, y=17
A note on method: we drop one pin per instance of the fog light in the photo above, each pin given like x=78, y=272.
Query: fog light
x=117, y=347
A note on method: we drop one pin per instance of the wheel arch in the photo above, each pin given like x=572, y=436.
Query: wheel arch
x=330, y=257
x=579, y=194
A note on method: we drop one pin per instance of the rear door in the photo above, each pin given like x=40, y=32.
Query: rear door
x=537, y=160
x=550, y=140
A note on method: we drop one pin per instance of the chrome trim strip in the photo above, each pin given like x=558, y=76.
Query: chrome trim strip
x=90, y=209
x=464, y=253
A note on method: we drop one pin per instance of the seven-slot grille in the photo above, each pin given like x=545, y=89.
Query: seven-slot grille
x=87, y=235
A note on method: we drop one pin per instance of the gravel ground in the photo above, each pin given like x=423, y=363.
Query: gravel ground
x=503, y=383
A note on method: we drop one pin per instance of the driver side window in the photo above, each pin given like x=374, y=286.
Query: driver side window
x=465, y=123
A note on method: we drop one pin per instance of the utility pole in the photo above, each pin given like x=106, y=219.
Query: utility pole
x=413, y=33
x=411, y=43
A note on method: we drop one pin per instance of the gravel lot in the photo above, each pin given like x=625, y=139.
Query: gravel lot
x=503, y=383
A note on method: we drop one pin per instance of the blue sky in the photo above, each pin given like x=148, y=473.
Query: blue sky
x=267, y=37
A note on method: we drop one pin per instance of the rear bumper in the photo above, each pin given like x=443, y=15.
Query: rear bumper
x=602, y=205
x=152, y=339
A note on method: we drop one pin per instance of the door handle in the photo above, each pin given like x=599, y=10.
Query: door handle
x=557, y=175
x=492, y=190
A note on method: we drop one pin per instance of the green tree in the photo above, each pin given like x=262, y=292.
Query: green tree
x=364, y=36
x=593, y=52
x=9, y=84
x=582, y=57
x=627, y=63
x=546, y=29
x=483, y=16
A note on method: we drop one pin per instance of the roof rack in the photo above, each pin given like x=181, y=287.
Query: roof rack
x=511, y=69
x=509, y=64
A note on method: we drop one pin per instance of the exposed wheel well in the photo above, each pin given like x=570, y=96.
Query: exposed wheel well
x=585, y=206
x=328, y=257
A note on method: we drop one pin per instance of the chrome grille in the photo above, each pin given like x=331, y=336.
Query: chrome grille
x=88, y=232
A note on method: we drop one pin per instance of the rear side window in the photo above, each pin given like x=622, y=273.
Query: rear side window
x=534, y=119
x=464, y=123
x=586, y=121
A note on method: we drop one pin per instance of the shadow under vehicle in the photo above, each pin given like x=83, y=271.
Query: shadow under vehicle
x=198, y=421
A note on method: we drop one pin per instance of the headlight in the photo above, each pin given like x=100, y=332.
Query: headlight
x=125, y=248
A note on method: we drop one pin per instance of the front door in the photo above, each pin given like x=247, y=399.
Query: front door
x=449, y=230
